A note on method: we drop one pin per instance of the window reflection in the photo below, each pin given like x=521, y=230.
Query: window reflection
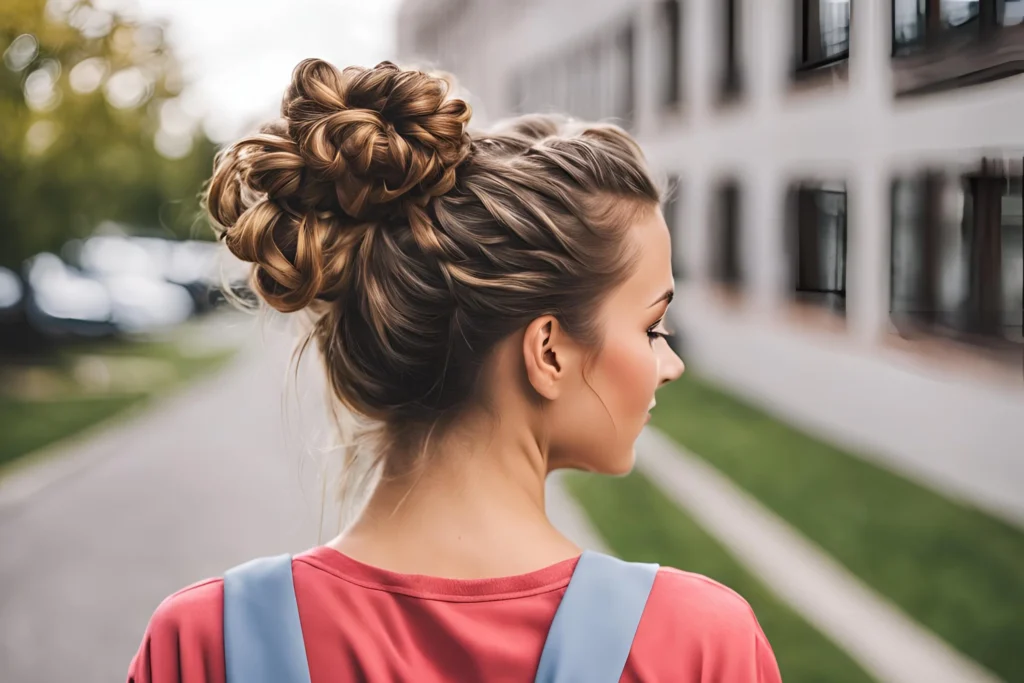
x=670, y=58
x=725, y=242
x=824, y=33
x=1012, y=248
x=908, y=276
x=908, y=21
x=1010, y=12
x=958, y=12
x=731, y=83
x=834, y=21
x=818, y=244
x=958, y=255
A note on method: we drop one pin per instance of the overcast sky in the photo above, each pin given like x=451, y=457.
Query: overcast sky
x=239, y=54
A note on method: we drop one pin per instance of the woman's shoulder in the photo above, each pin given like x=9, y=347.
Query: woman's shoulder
x=677, y=591
x=681, y=600
x=196, y=609
x=710, y=627
x=184, y=640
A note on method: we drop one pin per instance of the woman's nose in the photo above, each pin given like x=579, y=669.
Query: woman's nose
x=672, y=368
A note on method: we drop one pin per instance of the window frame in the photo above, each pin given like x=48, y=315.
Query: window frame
x=726, y=249
x=730, y=83
x=670, y=86
x=804, y=231
x=943, y=58
x=803, y=62
x=979, y=317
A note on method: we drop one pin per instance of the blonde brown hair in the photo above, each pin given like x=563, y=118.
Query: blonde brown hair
x=420, y=244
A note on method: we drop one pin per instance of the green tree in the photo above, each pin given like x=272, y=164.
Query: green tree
x=84, y=101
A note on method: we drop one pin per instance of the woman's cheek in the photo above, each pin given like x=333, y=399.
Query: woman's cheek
x=631, y=371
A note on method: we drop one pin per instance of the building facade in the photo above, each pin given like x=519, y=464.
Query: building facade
x=846, y=213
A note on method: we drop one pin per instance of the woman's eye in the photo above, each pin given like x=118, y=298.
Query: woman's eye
x=653, y=333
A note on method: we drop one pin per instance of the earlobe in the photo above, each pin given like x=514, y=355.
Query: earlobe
x=543, y=367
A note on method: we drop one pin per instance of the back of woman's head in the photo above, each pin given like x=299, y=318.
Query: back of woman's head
x=419, y=244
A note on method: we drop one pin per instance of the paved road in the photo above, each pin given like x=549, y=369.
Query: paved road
x=206, y=478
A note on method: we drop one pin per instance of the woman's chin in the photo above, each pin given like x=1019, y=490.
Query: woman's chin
x=614, y=464
x=622, y=465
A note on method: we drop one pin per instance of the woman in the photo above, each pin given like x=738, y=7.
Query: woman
x=490, y=307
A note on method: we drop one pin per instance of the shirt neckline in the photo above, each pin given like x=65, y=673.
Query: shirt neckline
x=547, y=579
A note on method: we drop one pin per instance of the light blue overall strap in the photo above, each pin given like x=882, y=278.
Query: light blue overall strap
x=262, y=634
x=593, y=629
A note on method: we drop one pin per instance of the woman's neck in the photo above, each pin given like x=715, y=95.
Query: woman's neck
x=474, y=508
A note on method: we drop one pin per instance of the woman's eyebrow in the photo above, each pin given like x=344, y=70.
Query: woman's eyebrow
x=667, y=296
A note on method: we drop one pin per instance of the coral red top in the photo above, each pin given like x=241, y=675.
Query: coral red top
x=361, y=623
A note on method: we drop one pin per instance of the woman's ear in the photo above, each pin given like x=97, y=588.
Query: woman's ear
x=545, y=351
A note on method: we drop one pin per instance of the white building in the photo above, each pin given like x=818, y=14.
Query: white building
x=848, y=220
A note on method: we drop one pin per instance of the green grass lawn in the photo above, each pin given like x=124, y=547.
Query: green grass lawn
x=639, y=523
x=951, y=567
x=136, y=370
x=26, y=426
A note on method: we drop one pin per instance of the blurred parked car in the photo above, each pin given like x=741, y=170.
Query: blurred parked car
x=61, y=301
x=198, y=266
x=116, y=291
x=114, y=282
x=133, y=270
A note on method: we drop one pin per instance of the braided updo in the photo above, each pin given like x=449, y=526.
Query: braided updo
x=352, y=148
x=425, y=243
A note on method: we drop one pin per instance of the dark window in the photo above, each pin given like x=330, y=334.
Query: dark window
x=725, y=236
x=823, y=32
x=958, y=255
x=732, y=80
x=917, y=23
x=914, y=291
x=955, y=13
x=949, y=43
x=670, y=24
x=908, y=23
x=1011, y=221
x=817, y=244
x=995, y=255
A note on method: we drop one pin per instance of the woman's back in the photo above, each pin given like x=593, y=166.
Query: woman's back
x=489, y=306
x=365, y=623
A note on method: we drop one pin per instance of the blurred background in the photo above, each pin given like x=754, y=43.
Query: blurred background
x=846, y=449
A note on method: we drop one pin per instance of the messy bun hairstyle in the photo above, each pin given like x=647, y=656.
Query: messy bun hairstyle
x=419, y=244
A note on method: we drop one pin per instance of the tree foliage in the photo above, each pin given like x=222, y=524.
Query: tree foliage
x=84, y=101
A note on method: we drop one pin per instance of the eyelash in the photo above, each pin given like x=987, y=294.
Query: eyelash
x=652, y=334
